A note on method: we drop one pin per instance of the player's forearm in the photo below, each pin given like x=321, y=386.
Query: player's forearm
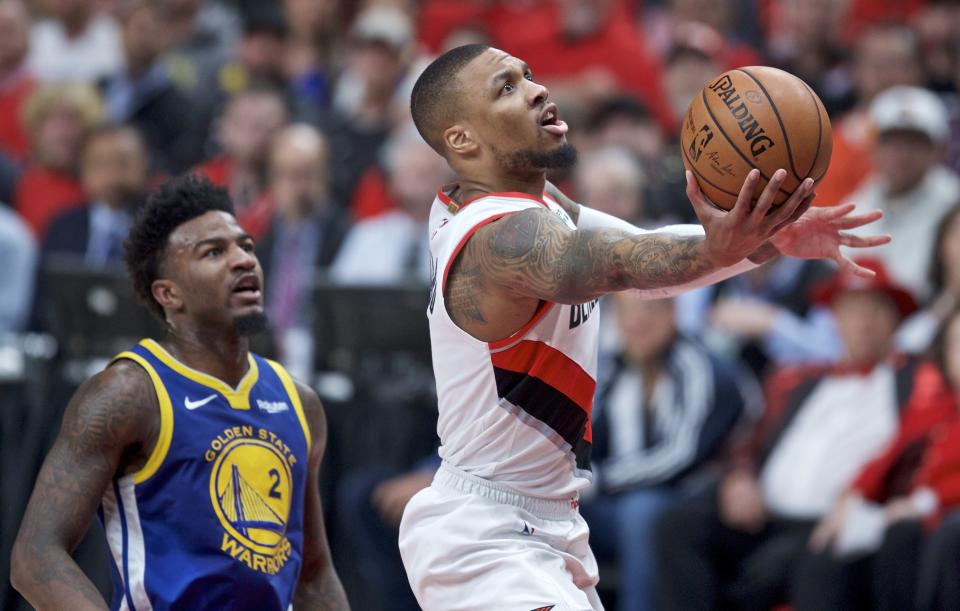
x=322, y=592
x=588, y=218
x=52, y=580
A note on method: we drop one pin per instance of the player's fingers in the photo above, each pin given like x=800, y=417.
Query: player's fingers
x=799, y=199
x=701, y=206
x=848, y=265
x=834, y=212
x=856, y=241
x=769, y=194
x=858, y=220
x=745, y=198
x=801, y=209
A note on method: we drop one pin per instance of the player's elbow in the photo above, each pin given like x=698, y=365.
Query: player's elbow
x=21, y=571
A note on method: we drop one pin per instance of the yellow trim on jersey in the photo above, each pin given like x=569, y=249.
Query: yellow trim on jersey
x=162, y=446
x=291, y=389
x=239, y=397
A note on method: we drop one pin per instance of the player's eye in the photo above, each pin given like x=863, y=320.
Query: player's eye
x=528, y=76
x=213, y=252
x=247, y=246
x=507, y=88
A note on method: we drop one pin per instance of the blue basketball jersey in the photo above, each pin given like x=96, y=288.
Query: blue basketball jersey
x=214, y=519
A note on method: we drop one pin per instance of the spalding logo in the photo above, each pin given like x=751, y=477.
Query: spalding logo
x=749, y=127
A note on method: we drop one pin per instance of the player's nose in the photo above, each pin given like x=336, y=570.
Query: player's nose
x=537, y=94
x=243, y=258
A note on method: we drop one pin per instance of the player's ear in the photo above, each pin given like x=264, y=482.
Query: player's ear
x=460, y=139
x=167, y=294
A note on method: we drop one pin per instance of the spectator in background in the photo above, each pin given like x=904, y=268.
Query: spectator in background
x=738, y=543
x=622, y=121
x=144, y=95
x=18, y=251
x=909, y=182
x=578, y=49
x=376, y=58
x=918, y=331
x=867, y=551
x=114, y=170
x=305, y=235
x=58, y=118
x=764, y=318
x=249, y=121
x=17, y=82
x=201, y=35
x=884, y=56
x=75, y=42
x=612, y=181
x=315, y=27
x=689, y=65
x=664, y=411
x=258, y=58
x=805, y=38
x=392, y=248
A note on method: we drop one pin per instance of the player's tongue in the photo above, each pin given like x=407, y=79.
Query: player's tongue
x=557, y=129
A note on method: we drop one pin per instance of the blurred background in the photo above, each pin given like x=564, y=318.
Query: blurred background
x=788, y=437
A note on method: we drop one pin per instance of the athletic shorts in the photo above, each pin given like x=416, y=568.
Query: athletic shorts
x=471, y=545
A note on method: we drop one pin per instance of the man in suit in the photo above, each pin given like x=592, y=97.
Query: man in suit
x=304, y=236
x=113, y=169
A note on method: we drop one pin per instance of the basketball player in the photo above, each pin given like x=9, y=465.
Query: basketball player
x=513, y=326
x=203, y=457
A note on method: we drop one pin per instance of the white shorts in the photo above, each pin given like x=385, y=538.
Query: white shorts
x=471, y=545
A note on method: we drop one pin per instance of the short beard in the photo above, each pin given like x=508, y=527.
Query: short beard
x=249, y=325
x=561, y=158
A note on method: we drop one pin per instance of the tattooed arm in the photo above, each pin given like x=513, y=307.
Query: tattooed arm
x=109, y=427
x=319, y=586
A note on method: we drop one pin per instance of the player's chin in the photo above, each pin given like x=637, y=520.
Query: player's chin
x=251, y=321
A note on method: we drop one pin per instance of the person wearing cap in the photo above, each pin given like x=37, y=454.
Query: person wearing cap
x=822, y=424
x=909, y=182
x=869, y=549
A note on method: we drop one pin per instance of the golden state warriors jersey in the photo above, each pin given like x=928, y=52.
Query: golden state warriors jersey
x=214, y=519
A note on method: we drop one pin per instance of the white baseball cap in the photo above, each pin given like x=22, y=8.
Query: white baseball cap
x=383, y=24
x=910, y=108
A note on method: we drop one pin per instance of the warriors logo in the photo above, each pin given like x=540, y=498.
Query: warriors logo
x=250, y=489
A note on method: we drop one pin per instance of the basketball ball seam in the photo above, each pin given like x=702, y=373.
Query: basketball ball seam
x=713, y=117
x=783, y=128
x=694, y=169
x=816, y=155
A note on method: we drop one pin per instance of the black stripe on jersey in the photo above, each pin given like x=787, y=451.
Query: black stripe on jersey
x=549, y=406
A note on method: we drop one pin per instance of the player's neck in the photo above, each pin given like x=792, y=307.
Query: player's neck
x=471, y=188
x=221, y=353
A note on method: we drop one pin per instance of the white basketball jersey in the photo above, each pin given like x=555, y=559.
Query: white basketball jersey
x=516, y=411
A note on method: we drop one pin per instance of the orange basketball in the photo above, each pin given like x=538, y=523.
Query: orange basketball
x=755, y=117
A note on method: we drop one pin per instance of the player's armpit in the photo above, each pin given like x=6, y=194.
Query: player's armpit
x=110, y=423
x=535, y=254
x=319, y=586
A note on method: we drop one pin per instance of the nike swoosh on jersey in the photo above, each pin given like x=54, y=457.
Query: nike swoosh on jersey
x=192, y=405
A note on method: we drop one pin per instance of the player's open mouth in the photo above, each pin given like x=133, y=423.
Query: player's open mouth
x=550, y=121
x=248, y=287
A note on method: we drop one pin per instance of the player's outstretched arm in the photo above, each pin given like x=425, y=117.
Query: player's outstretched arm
x=112, y=416
x=534, y=254
x=319, y=586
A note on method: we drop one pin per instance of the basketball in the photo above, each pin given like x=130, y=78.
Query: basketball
x=755, y=117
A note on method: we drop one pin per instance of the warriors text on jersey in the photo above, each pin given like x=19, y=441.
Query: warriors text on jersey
x=516, y=411
x=214, y=519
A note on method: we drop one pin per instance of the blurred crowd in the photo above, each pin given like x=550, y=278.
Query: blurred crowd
x=788, y=437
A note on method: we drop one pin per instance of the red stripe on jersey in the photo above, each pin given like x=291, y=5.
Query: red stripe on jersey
x=552, y=367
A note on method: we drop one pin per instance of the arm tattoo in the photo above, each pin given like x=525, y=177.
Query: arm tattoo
x=109, y=425
x=535, y=254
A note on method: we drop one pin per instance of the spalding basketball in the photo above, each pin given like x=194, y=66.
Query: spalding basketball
x=755, y=117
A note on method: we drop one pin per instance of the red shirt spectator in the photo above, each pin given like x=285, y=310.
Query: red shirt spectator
x=44, y=193
x=14, y=91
